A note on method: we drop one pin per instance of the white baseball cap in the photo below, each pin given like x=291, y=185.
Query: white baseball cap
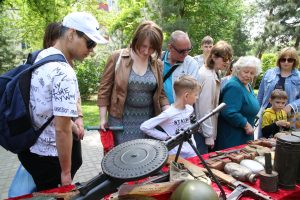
x=86, y=23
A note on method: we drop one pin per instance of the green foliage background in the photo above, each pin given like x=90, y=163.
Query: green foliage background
x=268, y=61
x=22, y=24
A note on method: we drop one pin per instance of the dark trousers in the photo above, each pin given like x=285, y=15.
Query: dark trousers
x=200, y=143
x=45, y=170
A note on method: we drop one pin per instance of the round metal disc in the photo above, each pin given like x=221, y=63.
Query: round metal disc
x=135, y=159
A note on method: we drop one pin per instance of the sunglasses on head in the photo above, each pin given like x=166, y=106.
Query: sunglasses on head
x=90, y=44
x=182, y=51
x=289, y=60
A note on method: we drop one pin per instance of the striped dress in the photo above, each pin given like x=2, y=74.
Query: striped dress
x=138, y=107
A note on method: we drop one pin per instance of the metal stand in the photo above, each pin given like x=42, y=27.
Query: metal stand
x=185, y=136
x=188, y=139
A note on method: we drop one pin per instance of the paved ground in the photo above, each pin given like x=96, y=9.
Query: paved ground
x=92, y=153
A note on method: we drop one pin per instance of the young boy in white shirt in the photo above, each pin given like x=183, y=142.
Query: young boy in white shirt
x=177, y=116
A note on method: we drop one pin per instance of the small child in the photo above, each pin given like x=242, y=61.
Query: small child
x=274, y=119
x=177, y=116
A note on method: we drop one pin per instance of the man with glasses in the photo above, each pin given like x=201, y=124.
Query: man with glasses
x=177, y=62
x=53, y=95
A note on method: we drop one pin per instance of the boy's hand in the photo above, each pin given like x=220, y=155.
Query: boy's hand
x=65, y=178
x=168, y=138
x=210, y=142
x=283, y=123
x=79, y=124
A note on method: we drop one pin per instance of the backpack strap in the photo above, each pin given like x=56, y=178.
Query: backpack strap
x=32, y=57
x=48, y=59
x=42, y=128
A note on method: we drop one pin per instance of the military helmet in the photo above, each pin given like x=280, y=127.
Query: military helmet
x=194, y=190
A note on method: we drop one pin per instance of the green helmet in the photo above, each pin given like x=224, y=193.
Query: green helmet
x=194, y=190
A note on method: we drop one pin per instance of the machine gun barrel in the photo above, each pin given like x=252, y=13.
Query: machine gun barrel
x=174, y=141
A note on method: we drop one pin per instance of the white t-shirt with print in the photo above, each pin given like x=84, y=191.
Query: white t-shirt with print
x=53, y=91
x=171, y=120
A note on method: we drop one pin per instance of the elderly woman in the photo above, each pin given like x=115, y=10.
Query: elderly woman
x=235, y=123
x=131, y=88
x=286, y=77
x=218, y=59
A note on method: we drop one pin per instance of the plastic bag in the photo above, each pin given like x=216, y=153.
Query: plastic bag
x=22, y=183
x=107, y=139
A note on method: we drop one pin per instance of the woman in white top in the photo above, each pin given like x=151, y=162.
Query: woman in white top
x=210, y=82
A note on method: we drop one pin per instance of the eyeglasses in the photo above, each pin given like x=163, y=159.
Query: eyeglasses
x=90, y=44
x=226, y=59
x=289, y=60
x=182, y=51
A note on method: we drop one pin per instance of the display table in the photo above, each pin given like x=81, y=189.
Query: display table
x=279, y=195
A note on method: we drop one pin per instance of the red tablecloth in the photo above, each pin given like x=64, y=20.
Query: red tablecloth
x=279, y=195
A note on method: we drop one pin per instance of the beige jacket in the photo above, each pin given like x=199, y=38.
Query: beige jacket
x=208, y=99
x=113, y=85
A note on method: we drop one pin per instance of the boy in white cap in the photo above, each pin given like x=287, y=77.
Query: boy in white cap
x=54, y=92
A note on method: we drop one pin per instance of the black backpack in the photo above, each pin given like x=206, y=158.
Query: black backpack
x=16, y=130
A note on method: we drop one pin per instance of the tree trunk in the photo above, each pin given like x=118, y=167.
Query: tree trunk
x=297, y=42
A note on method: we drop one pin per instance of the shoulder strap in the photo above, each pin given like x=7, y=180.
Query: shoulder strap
x=32, y=57
x=168, y=74
x=163, y=55
x=48, y=59
x=42, y=128
x=119, y=60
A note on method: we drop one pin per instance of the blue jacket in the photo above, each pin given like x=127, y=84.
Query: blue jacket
x=241, y=107
x=292, y=87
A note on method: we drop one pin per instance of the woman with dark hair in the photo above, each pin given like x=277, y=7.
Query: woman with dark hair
x=286, y=77
x=131, y=88
x=218, y=59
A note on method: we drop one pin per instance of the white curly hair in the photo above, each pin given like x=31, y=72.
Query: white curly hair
x=246, y=61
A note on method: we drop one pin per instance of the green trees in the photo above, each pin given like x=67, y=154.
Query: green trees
x=22, y=24
x=220, y=19
x=268, y=61
x=282, y=26
x=10, y=45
